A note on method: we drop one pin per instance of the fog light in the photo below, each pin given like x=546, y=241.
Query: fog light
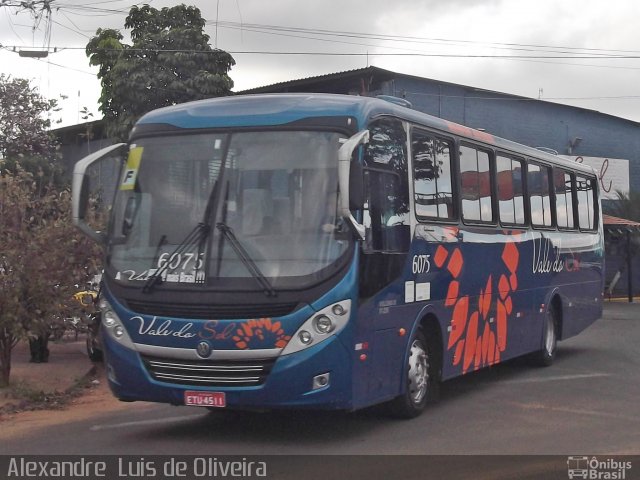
x=321, y=381
x=305, y=337
x=323, y=324
x=338, y=309
x=118, y=331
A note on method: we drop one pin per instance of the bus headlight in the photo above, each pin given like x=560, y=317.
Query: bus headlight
x=103, y=304
x=320, y=327
x=305, y=337
x=112, y=325
x=109, y=319
x=323, y=324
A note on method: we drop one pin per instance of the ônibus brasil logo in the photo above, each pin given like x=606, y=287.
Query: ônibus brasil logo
x=595, y=469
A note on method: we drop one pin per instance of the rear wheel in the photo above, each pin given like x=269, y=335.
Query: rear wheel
x=421, y=379
x=547, y=354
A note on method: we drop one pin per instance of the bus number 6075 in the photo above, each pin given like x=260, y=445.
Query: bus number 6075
x=421, y=264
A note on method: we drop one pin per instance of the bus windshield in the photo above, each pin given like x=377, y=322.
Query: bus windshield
x=207, y=208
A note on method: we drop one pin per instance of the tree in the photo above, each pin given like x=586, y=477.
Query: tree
x=23, y=120
x=42, y=259
x=42, y=256
x=24, y=135
x=169, y=61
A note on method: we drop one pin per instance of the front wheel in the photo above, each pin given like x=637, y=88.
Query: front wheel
x=421, y=379
x=93, y=350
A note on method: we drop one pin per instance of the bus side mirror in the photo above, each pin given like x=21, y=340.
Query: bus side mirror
x=345, y=168
x=84, y=197
x=80, y=192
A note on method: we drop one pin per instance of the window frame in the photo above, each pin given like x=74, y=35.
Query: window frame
x=453, y=169
x=379, y=168
x=594, y=197
x=574, y=202
x=463, y=142
x=551, y=192
x=524, y=166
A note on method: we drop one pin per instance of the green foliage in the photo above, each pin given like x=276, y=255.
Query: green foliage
x=24, y=136
x=169, y=61
x=23, y=121
x=44, y=171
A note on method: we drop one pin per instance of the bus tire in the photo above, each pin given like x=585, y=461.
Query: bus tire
x=545, y=356
x=421, y=379
x=93, y=351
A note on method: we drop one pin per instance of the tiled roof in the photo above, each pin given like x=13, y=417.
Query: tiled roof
x=612, y=223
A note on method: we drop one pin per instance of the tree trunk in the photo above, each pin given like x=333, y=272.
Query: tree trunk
x=6, y=346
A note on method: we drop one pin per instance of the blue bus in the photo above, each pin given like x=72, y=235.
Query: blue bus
x=332, y=252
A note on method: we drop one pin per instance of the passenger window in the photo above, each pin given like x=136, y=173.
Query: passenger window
x=539, y=195
x=386, y=211
x=433, y=188
x=510, y=190
x=475, y=177
x=563, y=187
x=586, y=202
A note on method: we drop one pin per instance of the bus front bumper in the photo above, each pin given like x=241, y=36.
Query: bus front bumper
x=289, y=384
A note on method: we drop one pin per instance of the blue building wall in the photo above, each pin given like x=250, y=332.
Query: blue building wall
x=531, y=122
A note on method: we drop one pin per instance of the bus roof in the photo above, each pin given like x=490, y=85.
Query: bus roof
x=270, y=110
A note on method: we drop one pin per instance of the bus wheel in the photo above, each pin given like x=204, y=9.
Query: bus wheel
x=94, y=352
x=421, y=383
x=547, y=354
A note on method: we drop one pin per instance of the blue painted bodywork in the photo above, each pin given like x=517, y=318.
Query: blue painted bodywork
x=474, y=293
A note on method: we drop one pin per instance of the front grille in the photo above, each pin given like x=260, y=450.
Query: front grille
x=209, y=373
x=211, y=312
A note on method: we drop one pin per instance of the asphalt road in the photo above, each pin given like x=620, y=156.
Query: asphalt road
x=587, y=403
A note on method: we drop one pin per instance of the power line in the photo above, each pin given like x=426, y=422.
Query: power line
x=362, y=54
x=262, y=28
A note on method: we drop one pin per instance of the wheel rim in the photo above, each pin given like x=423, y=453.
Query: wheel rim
x=550, y=335
x=418, y=372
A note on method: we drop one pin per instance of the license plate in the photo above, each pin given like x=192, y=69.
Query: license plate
x=205, y=399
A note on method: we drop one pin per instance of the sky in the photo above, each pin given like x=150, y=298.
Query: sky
x=577, y=52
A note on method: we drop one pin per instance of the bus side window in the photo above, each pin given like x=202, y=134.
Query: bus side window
x=475, y=176
x=386, y=215
x=510, y=190
x=562, y=185
x=586, y=202
x=433, y=187
x=539, y=195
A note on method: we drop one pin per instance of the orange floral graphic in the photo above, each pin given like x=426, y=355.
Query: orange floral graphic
x=476, y=337
x=260, y=333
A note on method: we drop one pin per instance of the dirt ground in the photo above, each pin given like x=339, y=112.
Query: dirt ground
x=68, y=370
x=68, y=364
x=96, y=398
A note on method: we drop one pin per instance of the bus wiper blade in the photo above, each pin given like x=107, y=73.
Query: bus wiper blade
x=199, y=233
x=246, y=259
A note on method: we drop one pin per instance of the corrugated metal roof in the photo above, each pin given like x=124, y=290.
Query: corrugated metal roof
x=383, y=74
x=277, y=87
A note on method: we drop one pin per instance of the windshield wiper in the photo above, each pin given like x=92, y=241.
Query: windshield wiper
x=246, y=259
x=195, y=237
